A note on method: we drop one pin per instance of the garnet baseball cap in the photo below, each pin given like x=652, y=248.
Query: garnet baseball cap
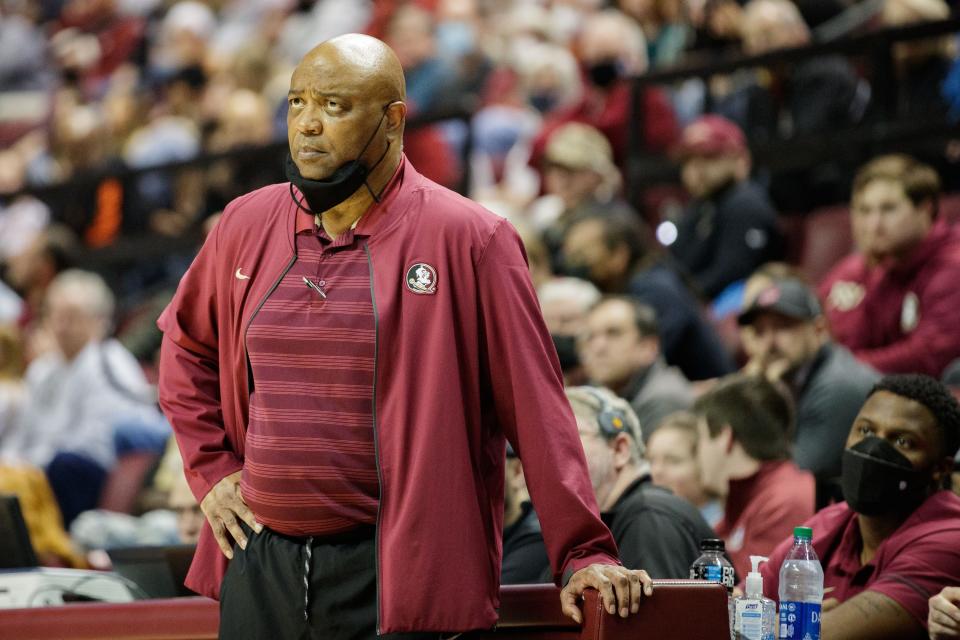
x=789, y=297
x=710, y=135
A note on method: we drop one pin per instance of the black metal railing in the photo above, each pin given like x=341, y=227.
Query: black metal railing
x=887, y=130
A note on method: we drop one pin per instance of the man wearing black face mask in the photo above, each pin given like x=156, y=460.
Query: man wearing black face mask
x=612, y=48
x=895, y=542
x=342, y=363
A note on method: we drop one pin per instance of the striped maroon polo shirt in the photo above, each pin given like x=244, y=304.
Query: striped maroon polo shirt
x=310, y=466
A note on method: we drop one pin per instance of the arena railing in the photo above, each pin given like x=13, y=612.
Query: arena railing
x=887, y=131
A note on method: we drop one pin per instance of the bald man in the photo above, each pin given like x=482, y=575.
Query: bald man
x=342, y=364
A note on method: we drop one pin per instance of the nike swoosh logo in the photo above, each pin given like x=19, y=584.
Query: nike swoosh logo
x=240, y=276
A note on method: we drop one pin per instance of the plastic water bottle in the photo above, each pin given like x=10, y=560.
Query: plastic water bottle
x=713, y=565
x=801, y=589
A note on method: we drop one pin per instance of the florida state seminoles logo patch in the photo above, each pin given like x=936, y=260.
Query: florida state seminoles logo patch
x=422, y=278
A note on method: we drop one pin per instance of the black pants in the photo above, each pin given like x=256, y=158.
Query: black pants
x=303, y=589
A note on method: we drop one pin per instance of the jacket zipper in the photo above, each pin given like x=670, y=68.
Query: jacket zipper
x=376, y=442
x=263, y=301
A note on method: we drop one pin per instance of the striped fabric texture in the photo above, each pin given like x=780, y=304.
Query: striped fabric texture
x=310, y=467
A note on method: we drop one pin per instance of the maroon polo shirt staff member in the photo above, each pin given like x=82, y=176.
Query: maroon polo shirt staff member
x=341, y=366
x=895, y=542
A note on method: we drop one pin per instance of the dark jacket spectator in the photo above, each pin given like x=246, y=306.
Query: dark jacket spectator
x=653, y=528
x=730, y=227
x=656, y=530
x=615, y=252
x=785, y=337
x=619, y=349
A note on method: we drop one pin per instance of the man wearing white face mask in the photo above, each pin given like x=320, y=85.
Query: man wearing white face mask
x=893, y=544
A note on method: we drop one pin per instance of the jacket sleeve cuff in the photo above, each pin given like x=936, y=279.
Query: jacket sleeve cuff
x=202, y=482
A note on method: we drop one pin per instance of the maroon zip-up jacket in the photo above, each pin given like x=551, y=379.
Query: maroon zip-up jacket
x=456, y=371
x=900, y=316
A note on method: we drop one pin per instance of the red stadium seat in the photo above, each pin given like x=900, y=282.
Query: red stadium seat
x=826, y=239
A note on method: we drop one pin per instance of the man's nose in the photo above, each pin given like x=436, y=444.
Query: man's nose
x=870, y=221
x=308, y=123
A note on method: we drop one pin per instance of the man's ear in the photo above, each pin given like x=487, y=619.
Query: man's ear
x=619, y=258
x=622, y=450
x=396, y=117
x=943, y=473
x=726, y=437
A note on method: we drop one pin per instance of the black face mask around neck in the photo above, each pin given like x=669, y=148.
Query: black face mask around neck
x=878, y=480
x=322, y=195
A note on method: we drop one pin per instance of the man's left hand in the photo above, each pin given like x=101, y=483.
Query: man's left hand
x=620, y=589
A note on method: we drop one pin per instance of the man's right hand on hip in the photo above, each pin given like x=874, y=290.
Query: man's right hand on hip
x=224, y=508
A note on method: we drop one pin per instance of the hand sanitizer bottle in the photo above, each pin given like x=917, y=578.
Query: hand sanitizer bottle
x=754, y=617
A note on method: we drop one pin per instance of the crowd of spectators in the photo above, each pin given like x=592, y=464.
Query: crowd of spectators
x=719, y=370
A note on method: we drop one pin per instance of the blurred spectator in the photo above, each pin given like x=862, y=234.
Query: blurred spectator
x=922, y=65
x=11, y=305
x=892, y=544
x=730, y=227
x=565, y=304
x=23, y=217
x=244, y=121
x=612, y=48
x=615, y=251
x=578, y=173
x=183, y=37
x=665, y=27
x=786, y=339
x=818, y=95
x=672, y=453
x=91, y=39
x=100, y=529
x=24, y=65
x=11, y=378
x=411, y=34
x=77, y=394
x=32, y=270
x=653, y=528
x=190, y=518
x=41, y=513
x=311, y=22
x=538, y=260
x=744, y=449
x=524, y=554
x=894, y=302
x=620, y=350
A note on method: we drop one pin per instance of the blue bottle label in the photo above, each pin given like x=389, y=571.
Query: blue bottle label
x=799, y=621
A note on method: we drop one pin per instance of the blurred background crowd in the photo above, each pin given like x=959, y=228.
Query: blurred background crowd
x=703, y=187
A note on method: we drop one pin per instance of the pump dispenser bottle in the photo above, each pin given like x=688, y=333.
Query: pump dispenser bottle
x=754, y=617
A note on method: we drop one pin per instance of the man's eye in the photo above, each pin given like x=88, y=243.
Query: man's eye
x=865, y=430
x=904, y=443
x=333, y=105
x=295, y=102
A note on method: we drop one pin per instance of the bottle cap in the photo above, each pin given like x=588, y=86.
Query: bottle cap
x=754, y=581
x=803, y=532
x=712, y=544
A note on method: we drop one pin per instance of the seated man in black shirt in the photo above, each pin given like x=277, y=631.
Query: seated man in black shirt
x=524, y=554
x=652, y=527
